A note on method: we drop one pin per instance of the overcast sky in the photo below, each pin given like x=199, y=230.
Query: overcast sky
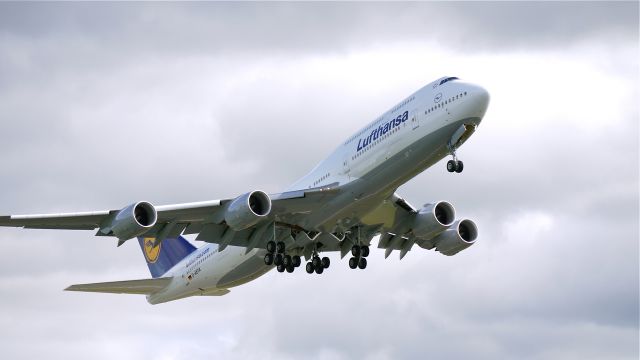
x=105, y=104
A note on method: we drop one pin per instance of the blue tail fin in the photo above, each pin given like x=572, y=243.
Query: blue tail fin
x=164, y=256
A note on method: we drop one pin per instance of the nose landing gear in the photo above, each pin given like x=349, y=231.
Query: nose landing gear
x=454, y=165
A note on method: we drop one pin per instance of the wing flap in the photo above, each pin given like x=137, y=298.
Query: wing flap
x=142, y=287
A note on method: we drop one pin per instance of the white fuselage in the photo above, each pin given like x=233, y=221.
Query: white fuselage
x=369, y=166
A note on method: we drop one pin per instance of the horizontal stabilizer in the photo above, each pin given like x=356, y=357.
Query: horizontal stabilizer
x=142, y=287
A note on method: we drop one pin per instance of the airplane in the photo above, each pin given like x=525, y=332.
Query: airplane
x=342, y=204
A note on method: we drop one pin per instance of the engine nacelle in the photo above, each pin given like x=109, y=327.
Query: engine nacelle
x=433, y=219
x=134, y=220
x=246, y=210
x=461, y=235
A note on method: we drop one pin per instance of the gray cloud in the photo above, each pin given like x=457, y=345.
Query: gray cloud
x=316, y=27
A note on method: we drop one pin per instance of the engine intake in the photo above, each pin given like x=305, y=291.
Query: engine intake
x=248, y=209
x=433, y=219
x=134, y=220
x=461, y=235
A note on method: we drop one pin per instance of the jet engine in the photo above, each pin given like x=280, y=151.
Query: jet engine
x=247, y=209
x=433, y=219
x=134, y=220
x=461, y=235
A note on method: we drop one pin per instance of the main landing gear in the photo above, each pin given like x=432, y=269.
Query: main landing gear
x=317, y=264
x=276, y=256
x=358, y=260
x=284, y=262
x=455, y=164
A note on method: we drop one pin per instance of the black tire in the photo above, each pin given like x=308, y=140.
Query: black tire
x=316, y=261
x=362, y=264
x=309, y=268
x=280, y=268
x=355, y=250
x=319, y=270
x=364, y=251
x=278, y=260
x=296, y=261
x=326, y=262
x=280, y=247
x=268, y=259
x=290, y=268
x=353, y=263
x=451, y=166
x=459, y=167
x=286, y=260
x=271, y=247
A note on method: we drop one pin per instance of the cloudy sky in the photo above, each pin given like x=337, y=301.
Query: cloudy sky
x=105, y=104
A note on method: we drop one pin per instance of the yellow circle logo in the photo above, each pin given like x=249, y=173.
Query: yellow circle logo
x=151, y=252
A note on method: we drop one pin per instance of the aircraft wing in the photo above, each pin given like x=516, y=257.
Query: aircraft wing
x=70, y=221
x=142, y=287
x=392, y=218
x=206, y=218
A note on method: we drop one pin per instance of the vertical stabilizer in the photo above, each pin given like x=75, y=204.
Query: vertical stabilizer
x=165, y=255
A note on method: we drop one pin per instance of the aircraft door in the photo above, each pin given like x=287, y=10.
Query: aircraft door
x=346, y=170
x=415, y=119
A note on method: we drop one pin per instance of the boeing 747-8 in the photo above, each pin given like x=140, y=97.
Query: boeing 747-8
x=340, y=205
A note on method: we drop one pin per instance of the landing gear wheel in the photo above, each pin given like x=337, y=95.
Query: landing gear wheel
x=451, y=166
x=355, y=250
x=290, y=269
x=278, y=260
x=459, y=166
x=280, y=247
x=316, y=262
x=309, y=268
x=280, y=268
x=319, y=270
x=271, y=247
x=364, y=251
x=268, y=259
x=326, y=262
x=296, y=261
x=353, y=263
x=362, y=263
x=286, y=260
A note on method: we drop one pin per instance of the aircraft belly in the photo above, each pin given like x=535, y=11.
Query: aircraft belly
x=364, y=194
x=412, y=160
x=175, y=290
x=233, y=267
x=249, y=269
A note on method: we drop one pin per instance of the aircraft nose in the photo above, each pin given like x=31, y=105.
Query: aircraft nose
x=478, y=101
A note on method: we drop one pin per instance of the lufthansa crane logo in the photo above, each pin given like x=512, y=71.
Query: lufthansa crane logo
x=437, y=98
x=151, y=252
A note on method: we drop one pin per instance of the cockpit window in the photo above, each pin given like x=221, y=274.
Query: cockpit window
x=448, y=79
